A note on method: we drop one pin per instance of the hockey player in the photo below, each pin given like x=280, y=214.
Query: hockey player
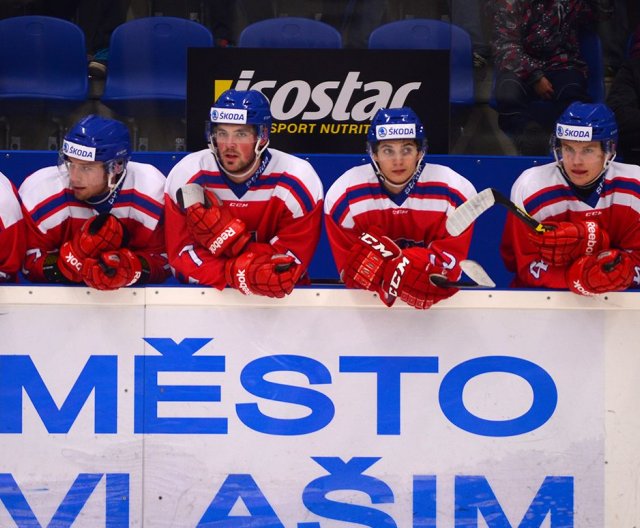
x=386, y=220
x=590, y=205
x=239, y=213
x=97, y=217
x=12, y=235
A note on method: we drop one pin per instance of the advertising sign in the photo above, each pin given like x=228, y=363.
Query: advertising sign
x=185, y=416
x=322, y=100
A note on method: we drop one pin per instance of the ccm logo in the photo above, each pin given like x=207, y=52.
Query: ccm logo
x=396, y=279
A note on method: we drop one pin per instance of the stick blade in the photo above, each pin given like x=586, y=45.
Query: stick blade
x=467, y=213
x=190, y=194
x=477, y=273
x=478, y=277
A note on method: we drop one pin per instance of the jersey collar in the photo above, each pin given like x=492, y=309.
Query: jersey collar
x=239, y=189
x=589, y=194
x=399, y=197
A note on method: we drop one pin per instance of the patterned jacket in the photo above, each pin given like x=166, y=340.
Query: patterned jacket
x=534, y=36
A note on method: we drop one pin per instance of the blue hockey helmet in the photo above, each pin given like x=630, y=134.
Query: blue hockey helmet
x=587, y=122
x=395, y=123
x=96, y=138
x=243, y=107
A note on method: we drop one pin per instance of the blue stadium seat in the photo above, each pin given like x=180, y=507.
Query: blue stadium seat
x=591, y=50
x=43, y=68
x=424, y=33
x=147, y=68
x=289, y=32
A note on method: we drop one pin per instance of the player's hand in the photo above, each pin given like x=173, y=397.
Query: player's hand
x=611, y=270
x=112, y=270
x=260, y=274
x=567, y=241
x=544, y=88
x=100, y=233
x=407, y=277
x=365, y=263
x=211, y=223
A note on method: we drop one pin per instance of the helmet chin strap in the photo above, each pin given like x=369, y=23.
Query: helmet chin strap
x=605, y=166
x=257, y=149
x=388, y=183
x=111, y=185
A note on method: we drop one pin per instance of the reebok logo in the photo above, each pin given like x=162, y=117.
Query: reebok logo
x=136, y=276
x=218, y=243
x=73, y=261
x=592, y=229
x=242, y=282
x=580, y=288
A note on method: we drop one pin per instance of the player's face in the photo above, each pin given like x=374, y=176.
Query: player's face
x=87, y=178
x=583, y=161
x=397, y=159
x=236, y=147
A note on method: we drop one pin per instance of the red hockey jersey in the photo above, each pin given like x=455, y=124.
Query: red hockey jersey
x=54, y=215
x=281, y=205
x=12, y=234
x=415, y=217
x=545, y=194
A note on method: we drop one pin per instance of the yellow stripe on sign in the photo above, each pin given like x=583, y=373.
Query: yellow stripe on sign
x=220, y=86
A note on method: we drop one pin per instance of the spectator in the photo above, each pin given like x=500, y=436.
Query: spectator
x=96, y=218
x=12, y=235
x=624, y=100
x=589, y=204
x=239, y=213
x=386, y=219
x=537, y=56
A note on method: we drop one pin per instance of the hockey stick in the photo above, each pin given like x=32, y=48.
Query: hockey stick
x=478, y=277
x=190, y=194
x=467, y=213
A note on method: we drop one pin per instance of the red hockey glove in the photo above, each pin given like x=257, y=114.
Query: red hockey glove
x=611, y=270
x=210, y=223
x=569, y=240
x=112, y=270
x=407, y=277
x=99, y=233
x=260, y=274
x=365, y=263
